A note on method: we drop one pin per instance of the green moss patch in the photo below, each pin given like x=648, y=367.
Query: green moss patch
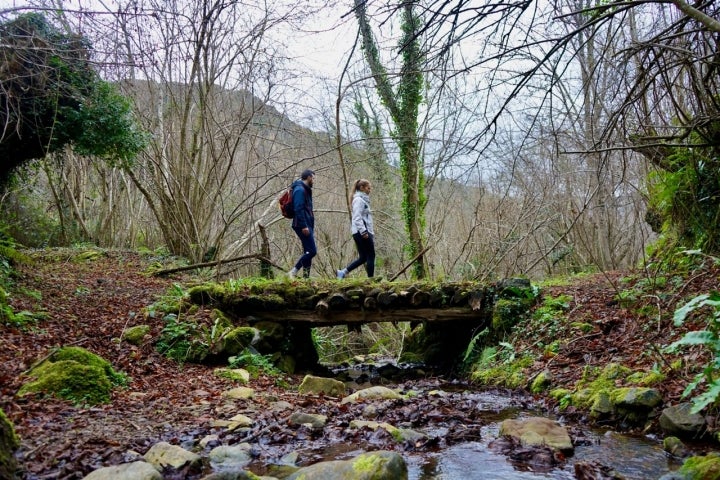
x=75, y=374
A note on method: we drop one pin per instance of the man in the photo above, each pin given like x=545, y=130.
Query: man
x=304, y=222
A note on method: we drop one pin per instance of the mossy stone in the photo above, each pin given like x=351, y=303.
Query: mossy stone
x=206, y=293
x=70, y=380
x=702, y=467
x=9, y=442
x=238, y=339
x=136, y=334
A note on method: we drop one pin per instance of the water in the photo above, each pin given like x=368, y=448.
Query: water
x=633, y=458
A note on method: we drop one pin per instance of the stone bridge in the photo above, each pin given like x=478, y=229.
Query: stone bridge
x=449, y=314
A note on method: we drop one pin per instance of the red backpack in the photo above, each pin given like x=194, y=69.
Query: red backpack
x=286, y=203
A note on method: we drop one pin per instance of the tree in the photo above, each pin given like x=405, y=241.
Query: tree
x=50, y=97
x=403, y=106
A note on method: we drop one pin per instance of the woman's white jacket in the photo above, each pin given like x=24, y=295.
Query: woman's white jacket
x=362, y=220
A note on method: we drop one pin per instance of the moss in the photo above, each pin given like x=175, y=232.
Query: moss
x=702, y=467
x=646, y=379
x=540, y=383
x=89, y=255
x=582, y=326
x=70, y=380
x=510, y=375
x=507, y=312
x=9, y=442
x=135, y=334
x=206, y=293
x=85, y=357
x=366, y=463
x=238, y=339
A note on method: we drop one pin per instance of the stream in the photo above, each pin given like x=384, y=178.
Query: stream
x=632, y=456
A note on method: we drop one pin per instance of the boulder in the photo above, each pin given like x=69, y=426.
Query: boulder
x=380, y=465
x=230, y=457
x=126, y=471
x=163, y=455
x=372, y=393
x=538, y=431
x=678, y=420
x=312, y=385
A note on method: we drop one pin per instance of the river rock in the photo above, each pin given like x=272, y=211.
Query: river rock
x=230, y=457
x=399, y=434
x=380, y=465
x=680, y=421
x=675, y=447
x=538, y=431
x=312, y=385
x=706, y=467
x=372, y=393
x=316, y=421
x=163, y=455
x=126, y=471
x=636, y=398
x=239, y=393
x=241, y=475
x=593, y=470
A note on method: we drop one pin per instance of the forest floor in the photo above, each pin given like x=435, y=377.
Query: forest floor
x=90, y=303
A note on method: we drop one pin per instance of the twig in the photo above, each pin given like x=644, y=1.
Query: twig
x=411, y=262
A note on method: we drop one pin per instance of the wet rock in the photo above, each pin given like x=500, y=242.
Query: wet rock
x=319, y=385
x=529, y=455
x=372, y=393
x=380, y=465
x=209, y=440
x=126, y=471
x=163, y=455
x=593, y=470
x=239, y=421
x=399, y=434
x=675, y=447
x=241, y=475
x=680, y=421
x=315, y=421
x=602, y=405
x=538, y=431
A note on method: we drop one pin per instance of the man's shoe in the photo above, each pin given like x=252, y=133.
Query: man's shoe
x=341, y=274
x=292, y=273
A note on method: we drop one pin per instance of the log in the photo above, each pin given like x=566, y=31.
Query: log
x=322, y=308
x=420, y=299
x=386, y=299
x=416, y=315
x=216, y=263
x=337, y=301
x=475, y=300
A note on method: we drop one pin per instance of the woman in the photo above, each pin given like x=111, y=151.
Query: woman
x=361, y=227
